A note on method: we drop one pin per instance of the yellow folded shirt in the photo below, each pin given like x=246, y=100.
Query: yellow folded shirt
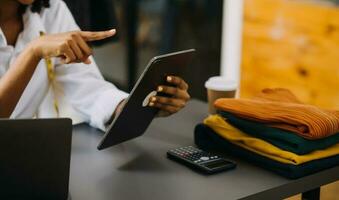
x=261, y=147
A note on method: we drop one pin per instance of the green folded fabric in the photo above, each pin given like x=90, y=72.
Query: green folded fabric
x=283, y=139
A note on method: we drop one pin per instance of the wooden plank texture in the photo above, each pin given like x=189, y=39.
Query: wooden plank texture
x=292, y=44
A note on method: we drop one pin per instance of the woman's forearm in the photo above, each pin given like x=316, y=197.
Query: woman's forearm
x=15, y=80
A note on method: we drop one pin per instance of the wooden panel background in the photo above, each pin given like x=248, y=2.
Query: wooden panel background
x=292, y=44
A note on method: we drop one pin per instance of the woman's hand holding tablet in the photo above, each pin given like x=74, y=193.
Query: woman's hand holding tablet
x=178, y=96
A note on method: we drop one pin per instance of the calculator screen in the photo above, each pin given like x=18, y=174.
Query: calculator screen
x=217, y=164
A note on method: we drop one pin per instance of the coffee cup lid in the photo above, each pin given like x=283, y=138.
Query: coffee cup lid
x=220, y=83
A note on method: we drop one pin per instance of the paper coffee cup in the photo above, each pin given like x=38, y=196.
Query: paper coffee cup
x=219, y=87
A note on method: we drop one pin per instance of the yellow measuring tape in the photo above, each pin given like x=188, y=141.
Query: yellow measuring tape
x=51, y=79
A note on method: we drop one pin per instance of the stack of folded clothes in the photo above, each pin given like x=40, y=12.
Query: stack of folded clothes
x=274, y=130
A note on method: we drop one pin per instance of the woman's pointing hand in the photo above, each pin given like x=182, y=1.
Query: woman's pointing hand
x=71, y=47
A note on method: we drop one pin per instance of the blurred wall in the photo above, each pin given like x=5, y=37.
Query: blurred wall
x=171, y=25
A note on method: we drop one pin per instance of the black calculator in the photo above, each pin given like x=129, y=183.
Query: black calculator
x=200, y=160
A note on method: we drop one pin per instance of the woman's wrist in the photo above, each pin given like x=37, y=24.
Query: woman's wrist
x=34, y=50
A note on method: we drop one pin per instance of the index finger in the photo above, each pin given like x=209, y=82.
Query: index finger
x=178, y=82
x=99, y=35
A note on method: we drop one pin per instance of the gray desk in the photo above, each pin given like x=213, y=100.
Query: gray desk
x=139, y=169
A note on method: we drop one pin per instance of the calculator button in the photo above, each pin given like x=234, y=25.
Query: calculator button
x=204, y=158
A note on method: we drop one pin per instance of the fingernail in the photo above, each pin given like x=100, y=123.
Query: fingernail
x=88, y=61
x=160, y=89
x=153, y=99
x=112, y=30
x=169, y=79
x=151, y=104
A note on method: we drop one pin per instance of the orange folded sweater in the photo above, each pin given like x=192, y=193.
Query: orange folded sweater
x=280, y=108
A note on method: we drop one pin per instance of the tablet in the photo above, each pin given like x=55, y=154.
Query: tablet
x=136, y=115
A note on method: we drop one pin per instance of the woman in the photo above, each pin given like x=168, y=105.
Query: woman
x=46, y=68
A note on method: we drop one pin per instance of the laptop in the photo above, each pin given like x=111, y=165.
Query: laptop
x=35, y=158
x=136, y=115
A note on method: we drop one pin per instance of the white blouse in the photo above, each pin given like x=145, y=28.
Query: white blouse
x=81, y=91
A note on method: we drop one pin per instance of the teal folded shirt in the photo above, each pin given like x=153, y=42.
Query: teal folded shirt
x=283, y=139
